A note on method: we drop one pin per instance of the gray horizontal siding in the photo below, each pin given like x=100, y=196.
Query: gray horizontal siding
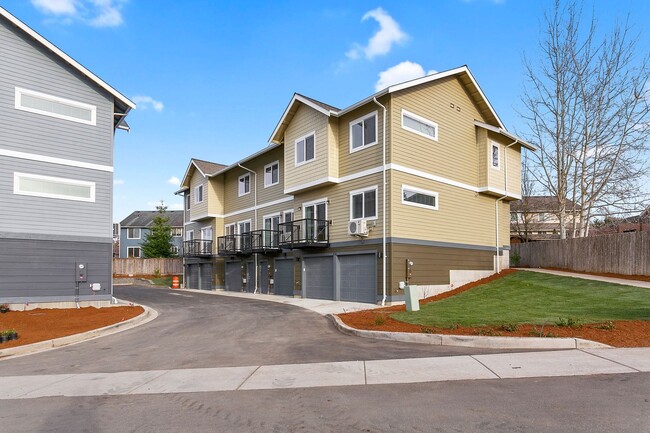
x=33, y=270
x=49, y=216
x=24, y=64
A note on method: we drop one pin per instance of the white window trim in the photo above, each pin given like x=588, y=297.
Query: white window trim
x=205, y=228
x=177, y=236
x=494, y=144
x=17, y=190
x=196, y=194
x=285, y=212
x=419, y=119
x=266, y=185
x=134, y=228
x=295, y=154
x=19, y=106
x=361, y=119
x=189, y=235
x=422, y=191
x=313, y=203
x=225, y=228
x=240, y=183
x=133, y=249
x=249, y=221
x=361, y=191
x=174, y=249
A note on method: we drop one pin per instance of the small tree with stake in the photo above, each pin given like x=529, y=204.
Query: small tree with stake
x=158, y=242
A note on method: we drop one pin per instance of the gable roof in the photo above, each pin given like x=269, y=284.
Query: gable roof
x=126, y=102
x=463, y=73
x=505, y=133
x=144, y=218
x=206, y=168
x=539, y=203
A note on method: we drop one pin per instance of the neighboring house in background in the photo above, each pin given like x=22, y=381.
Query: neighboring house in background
x=535, y=218
x=135, y=227
x=116, y=240
x=636, y=223
x=319, y=213
x=57, y=125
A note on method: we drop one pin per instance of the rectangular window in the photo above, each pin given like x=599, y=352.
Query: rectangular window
x=413, y=196
x=244, y=184
x=174, y=250
x=306, y=148
x=363, y=204
x=229, y=229
x=133, y=252
x=53, y=187
x=363, y=132
x=198, y=194
x=187, y=201
x=177, y=232
x=53, y=106
x=495, y=156
x=272, y=174
x=244, y=226
x=419, y=125
x=189, y=235
x=206, y=233
x=133, y=233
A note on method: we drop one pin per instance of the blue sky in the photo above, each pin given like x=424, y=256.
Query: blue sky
x=212, y=78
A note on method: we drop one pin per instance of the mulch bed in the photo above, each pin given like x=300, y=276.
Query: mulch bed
x=45, y=324
x=628, y=333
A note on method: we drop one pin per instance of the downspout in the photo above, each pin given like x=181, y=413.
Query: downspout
x=496, y=203
x=383, y=206
x=255, y=207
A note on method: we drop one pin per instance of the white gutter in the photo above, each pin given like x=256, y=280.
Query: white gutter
x=255, y=223
x=383, y=205
x=496, y=203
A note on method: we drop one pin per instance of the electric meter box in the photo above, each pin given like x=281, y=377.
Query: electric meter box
x=81, y=272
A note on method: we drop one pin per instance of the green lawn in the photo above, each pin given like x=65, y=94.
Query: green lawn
x=530, y=297
x=166, y=281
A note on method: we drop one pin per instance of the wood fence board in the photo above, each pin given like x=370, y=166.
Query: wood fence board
x=137, y=267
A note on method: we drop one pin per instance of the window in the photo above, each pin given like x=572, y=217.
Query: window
x=287, y=216
x=244, y=226
x=419, y=197
x=189, y=235
x=174, y=250
x=363, y=132
x=494, y=150
x=272, y=174
x=187, y=201
x=513, y=217
x=177, y=232
x=419, y=125
x=53, y=187
x=306, y=148
x=363, y=204
x=53, y=106
x=198, y=194
x=206, y=233
x=244, y=184
x=133, y=252
x=229, y=229
x=133, y=233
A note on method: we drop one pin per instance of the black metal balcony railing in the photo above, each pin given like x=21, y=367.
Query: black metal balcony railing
x=265, y=241
x=197, y=247
x=234, y=244
x=305, y=233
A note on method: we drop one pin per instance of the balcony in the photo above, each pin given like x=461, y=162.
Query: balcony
x=305, y=233
x=265, y=241
x=197, y=248
x=234, y=244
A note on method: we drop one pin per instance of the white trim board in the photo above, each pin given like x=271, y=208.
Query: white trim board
x=237, y=212
x=53, y=160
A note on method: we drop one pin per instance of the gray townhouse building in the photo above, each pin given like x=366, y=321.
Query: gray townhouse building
x=57, y=126
x=135, y=228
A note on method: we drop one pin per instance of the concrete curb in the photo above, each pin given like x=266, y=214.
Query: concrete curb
x=470, y=340
x=147, y=316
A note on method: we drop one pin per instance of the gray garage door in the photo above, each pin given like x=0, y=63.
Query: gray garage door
x=250, y=277
x=192, y=275
x=205, y=272
x=358, y=275
x=318, y=277
x=283, y=277
x=233, y=276
x=264, y=276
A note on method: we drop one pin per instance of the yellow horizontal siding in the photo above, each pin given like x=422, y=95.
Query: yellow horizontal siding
x=198, y=210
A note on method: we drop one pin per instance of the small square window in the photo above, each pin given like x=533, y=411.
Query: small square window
x=244, y=184
x=363, y=204
x=272, y=174
x=133, y=233
x=306, y=149
x=133, y=252
x=363, y=132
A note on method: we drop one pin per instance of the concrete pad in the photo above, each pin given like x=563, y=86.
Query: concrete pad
x=636, y=357
x=16, y=386
x=94, y=384
x=548, y=364
x=425, y=370
x=197, y=380
x=306, y=375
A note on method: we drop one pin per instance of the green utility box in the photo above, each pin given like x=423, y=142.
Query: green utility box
x=412, y=295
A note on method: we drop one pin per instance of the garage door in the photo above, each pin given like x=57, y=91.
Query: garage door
x=358, y=273
x=283, y=277
x=250, y=277
x=205, y=271
x=319, y=277
x=264, y=276
x=233, y=276
x=192, y=274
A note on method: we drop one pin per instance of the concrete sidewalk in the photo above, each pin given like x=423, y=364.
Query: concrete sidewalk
x=395, y=371
x=623, y=281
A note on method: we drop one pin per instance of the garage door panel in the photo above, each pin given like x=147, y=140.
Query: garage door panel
x=358, y=277
x=233, y=276
x=319, y=277
x=206, y=276
x=283, y=277
x=193, y=274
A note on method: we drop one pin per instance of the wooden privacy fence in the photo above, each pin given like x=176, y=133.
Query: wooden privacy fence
x=620, y=253
x=137, y=267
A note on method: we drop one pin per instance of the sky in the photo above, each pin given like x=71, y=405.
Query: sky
x=212, y=78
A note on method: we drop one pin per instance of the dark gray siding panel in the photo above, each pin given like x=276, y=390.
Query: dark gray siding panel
x=25, y=64
x=264, y=276
x=33, y=270
x=250, y=277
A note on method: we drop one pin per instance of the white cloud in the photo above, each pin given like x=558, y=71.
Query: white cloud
x=118, y=182
x=97, y=13
x=174, y=181
x=380, y=43
x=399, y=73
x=145, y=102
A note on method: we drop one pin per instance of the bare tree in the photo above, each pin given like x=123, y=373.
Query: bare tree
x=524, y=211
x=587, y=105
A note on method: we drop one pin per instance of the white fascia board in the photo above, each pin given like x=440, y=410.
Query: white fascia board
x=297, y=98
x=66, y=58
x=500, y=192
x=242, y=161
x=186, y=180
x=503, y=132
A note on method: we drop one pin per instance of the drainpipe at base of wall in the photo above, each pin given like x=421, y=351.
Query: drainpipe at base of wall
x=383, y=212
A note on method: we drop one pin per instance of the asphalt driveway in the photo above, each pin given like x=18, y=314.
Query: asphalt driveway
x=196, y=330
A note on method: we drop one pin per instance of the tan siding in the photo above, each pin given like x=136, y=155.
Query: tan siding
x=454, y=155
x=198, y=210
x=306, y=121
x=216, y=195
x=481, y=149
x=333, y=147
x=496, y=178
